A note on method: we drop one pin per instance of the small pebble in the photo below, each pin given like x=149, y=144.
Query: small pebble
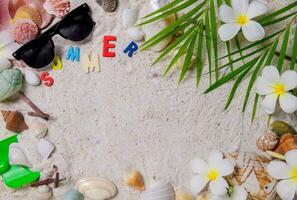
x=31, y=77
x=129, y=17
x=135, y=34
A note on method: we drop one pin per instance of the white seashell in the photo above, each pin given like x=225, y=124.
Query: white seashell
x=41, y=193
x=38, y=129
x=5, y=64
x=45, y=148
x=17, y=156
x=152, y=29
x=159, y=190
x=129, y=17
x=31, y=77
x=135, y=34
x=95, y=188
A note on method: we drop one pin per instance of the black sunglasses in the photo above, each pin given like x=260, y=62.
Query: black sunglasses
x=40, y=52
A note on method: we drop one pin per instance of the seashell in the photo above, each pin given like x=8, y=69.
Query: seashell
x=73, y=195
x=154, y=28
x=108, y=5
x=95, y=188
x=10, y=83
x=267, y=142
x=135, y=34
x=24, y=30
x=41, y=193
x=27, y=12
x=4, y=15
x=31, y=77
x=159, y=190
x=286, y=143
x=58, y=8
x=14, y=121
x=182, y=194
x=250, y=173
x=38, y=129
x=129, y=17
x=46, y=148
x=134, y=179
x=17, y=156
x=281, y=128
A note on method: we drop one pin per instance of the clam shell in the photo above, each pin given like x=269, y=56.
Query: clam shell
x=133, y=178
x=27, y=12
x=129, y=17
x=10, y=83
x=46, y=148
x=17, y=156
x=159, y=190
x=73, y=195
x=38, y=129
x=95, y=188
x=267, y=142
x=41, y=193
x=135, y=34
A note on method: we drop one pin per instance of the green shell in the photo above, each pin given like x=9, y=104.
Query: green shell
x=11, y=81
x=73, y=195
x=281, y=128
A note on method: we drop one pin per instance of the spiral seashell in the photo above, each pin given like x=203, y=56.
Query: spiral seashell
x=24, y=30
x=159, y=190
x=267, y=142
x=11, y=81
x=14, y=121
x=286, y=143
x=134, y=179
x=27, y=12
x=108, y=5
x=58, y=8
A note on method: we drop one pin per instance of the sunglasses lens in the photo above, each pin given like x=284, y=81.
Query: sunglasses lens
x=40, y=56
x=77, y=28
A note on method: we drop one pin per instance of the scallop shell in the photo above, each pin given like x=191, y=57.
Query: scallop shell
x=108, y=5
x=17, y=156
x=58, y=8
x=10, y=83
x=27, y=12
x=73, y=195
x=95, y=188
x=38, y=129
x=154, y=28
x=286, y=143
x=159, y=190
x=267, y=142
x=250, y=173
x=134, y=179
x=41, y=193
x=14, y=121
x=182, y=194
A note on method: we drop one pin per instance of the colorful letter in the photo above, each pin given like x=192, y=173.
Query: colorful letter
x=91, y=64
x=73, y=54
x=57, y=63
x=131, y=48
x=47, y=79
x=107, y=46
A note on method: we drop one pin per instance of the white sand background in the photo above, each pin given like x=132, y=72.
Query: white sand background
x=128, y=115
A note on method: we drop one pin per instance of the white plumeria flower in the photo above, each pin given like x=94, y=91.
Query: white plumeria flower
x=275, y=86
x=212, y=173
x=235, y=193
x=287, y=173
x=240, y=17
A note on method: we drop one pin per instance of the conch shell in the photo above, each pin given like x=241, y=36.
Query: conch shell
x=11, y=82
x=134, y=179
x=267, y=142
x=14, y=121
x=287, y=142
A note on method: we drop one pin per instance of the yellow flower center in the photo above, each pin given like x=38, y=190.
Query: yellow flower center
x=279, y=89
x=212, y=174
x=242, y=20
x=293, y=174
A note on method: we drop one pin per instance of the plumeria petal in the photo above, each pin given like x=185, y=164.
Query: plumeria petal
x=226, y=14
x=198, y=183
x=198, y=166
x=286, y=189
x=228, y=31
x=214, y=158
x=278, y=170
x=225, y=167
x=291, y=157
x=289, y=79
x=271, y=74
x=288, y=102
x=256, y=8
x=218, y=186
x=239, y=193
x=5, y=38
x=263, y=87
x=269, y=103
x=240, y=6
x=253, y=31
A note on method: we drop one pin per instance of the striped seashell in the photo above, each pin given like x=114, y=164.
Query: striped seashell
x=27, y=12
x=108, y=5
x=11, y=82
x=58, y=8
x=159, y=190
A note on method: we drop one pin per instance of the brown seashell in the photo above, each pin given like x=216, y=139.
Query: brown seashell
x=134, y=179
x=27, y=12
x=286, y=143
x=267, y=142
x=108, y=5
x=14, y=121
